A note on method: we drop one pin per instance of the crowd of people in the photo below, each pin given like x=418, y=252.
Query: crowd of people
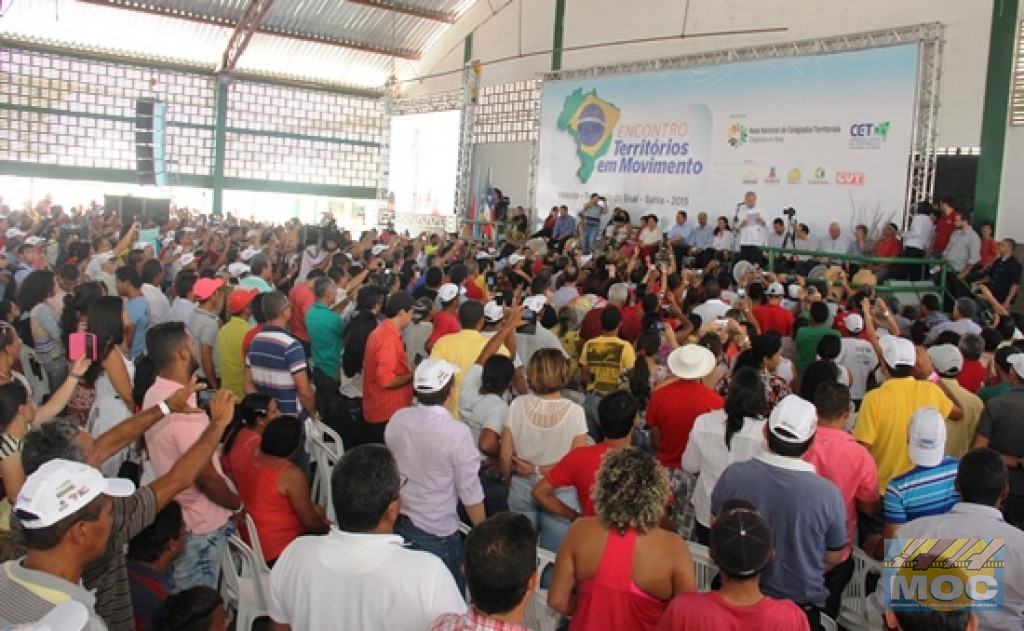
x=614, y=394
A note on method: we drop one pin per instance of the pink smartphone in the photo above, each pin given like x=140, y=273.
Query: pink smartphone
x=81, y=345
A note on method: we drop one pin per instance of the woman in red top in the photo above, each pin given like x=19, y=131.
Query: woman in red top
x=276, y=493
x=243, y=436
x=626, y=567
x=989, y=245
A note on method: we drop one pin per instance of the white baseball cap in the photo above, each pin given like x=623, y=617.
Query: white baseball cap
x=493, y=312
x=947, y=359
x=141, y=245
x=854, y=323
x=61, y=488
x=1017, y=361
x=14, y=233
x=794, y=292
x=168, y=241
x=897, y=351
x=797, y=417
x=248, y=253
x=186, y=259
x=34, y=240
x=432, y=375
x=514, y=259
x=776, y=289
x=377, y=249
x=238, y=269
x=448, y=292
x=927, y=437
x=484, y=255
x=535, y=303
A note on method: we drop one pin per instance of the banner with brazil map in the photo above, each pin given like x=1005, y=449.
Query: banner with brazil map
x=829, y=135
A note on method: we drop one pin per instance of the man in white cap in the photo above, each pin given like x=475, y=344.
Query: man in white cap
x=671, y=414
x=857, y=356
x=1001, y=428
x=446, y=320
x=65, y=510
x=929, y=488
x=771, y=315
x=804, y=510
x=885, y=412
x=439, y=460
x=948, y=361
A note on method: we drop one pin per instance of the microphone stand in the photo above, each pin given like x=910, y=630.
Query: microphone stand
x=736, y=228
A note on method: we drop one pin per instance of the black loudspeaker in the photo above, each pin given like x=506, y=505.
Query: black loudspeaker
x=150, y=142
x=139, y=209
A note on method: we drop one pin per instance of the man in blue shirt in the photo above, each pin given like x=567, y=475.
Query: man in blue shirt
x=565, y=228
x=804, y=510
x=701, y=239
x=930, y=487
x=591, y=217
x=680, y=235
x=129, y=285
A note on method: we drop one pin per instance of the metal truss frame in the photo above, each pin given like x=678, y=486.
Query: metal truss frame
x=928, y=36
x=470, y=98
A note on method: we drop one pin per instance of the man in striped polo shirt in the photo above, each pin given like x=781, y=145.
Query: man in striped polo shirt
x=276, y=363
x=930, y=487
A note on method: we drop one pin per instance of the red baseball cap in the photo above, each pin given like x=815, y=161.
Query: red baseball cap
x=205, y=287
x=240, y=299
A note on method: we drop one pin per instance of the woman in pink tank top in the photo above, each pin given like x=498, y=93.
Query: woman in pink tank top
x=626, y=567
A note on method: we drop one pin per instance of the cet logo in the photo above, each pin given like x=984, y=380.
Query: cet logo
x=849, y=178
x=773, y=177
x=737, y=136
x=869, y=135
x=794, y=176
x=943, y=574
x=590, y=121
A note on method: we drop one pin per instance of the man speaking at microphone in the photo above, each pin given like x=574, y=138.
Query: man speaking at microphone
x=753, y=229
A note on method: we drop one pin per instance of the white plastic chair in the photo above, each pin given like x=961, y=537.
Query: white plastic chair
x=705, y=567
x=325, y=449
x=257, y=550
x=853, y=613
x=241, y=585
x=538, y=615
x=828, y=624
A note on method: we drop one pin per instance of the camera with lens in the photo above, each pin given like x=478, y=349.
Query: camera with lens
x=789, y=212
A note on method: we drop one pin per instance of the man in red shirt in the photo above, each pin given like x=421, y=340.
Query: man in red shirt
x=301, y=298
x=671, y=413
x=387, y=380
x=616, y=414
x=838, y=457
x=445, y=319
x=772, y=316
x=948, y=214
x=590, y=326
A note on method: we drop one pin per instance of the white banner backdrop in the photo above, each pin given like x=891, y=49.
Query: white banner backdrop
x=829, y=135
x=424, y=163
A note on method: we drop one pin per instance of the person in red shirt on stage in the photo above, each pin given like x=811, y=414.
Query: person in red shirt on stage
x=616, y=414
x=771, y=315
x=948, y=215
x=741, y=546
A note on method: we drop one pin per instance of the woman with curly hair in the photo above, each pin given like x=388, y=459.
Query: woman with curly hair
x=626, y=567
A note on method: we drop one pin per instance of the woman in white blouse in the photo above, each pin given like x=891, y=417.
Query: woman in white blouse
x=542, y=427
x=649, y=237
x=722, y=437
x=722, y=241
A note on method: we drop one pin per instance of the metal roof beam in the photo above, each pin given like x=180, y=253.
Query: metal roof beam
x=254, y=13
x=407, y=9
x=263, y=30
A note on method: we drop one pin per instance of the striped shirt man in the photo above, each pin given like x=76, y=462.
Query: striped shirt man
x=921, y=492
x=273, y=358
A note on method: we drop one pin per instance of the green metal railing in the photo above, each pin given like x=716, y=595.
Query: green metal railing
x=944, y=267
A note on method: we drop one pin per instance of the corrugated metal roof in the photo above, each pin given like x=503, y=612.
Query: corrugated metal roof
x=348, y=43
